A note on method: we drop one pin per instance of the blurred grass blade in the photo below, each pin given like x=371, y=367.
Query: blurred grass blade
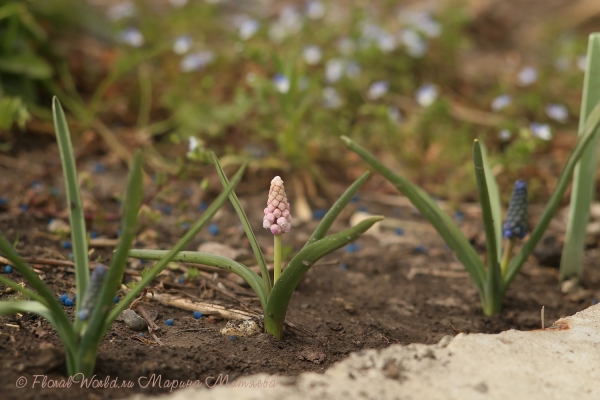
x=94, y=331
x=590, y=131
x=23, y=290
x=281, y=294
x=430, y=210
x=336, y=209
x=179, y=246
x=493, y=298
x=22, y=306
x=76, y=218
x=213, y=260
x=495, y=203
x=264, y=271
x=584, y=176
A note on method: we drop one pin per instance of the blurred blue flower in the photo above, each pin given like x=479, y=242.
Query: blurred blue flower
x=426, y=95
x=505, y=135
x=132, y=37
x=312, y=54
x=386, y=42
x=377, y=89
x=331, y=98
x=527, y=76
x=334, y=69
x=422, y=21
x=542, y=131
x=182, y=44
x=416, y=46
x=247, y=28
x=282, y=83
x=501, y=102
x=119, y=11
x=353, y=69
x=315, y=10
x=289, y=23
x=562, y=63
x=195, y=61
x=557, y=112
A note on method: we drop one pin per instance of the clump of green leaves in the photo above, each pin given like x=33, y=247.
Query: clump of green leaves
x=492, y=280
x=274, y=298
x=82, y=337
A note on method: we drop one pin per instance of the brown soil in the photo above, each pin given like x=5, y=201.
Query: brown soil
x=386, y=292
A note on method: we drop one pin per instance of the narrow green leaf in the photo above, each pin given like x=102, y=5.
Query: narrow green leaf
x=336, y=209
x=86, y=356
x=26, y=292
x=584, y=176
x=22, y=306
x=495, y=202
x=179, y=246
x=76, y=218
x=30, y=65
x=213, y=260
x=590, y=131
x=264, y=271
x=493, y=287
x=281, y=294
x=430, y=210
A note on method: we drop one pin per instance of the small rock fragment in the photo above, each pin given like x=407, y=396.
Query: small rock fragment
x=242, y=327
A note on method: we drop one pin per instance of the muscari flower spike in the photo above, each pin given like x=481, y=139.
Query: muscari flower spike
x=516, y=218
x=92, y=291
x=277, y=213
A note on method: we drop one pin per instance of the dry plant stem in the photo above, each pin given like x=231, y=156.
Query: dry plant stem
x=203, y=307
x=151, y=325
x=277, y=258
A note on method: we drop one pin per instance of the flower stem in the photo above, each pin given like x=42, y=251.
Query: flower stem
x=508, y=250
x=277, y=258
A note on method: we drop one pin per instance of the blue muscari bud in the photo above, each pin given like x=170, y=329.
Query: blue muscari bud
x=92, y=291
x=516, y=218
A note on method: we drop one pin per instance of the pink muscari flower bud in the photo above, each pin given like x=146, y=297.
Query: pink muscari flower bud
x=277, y=213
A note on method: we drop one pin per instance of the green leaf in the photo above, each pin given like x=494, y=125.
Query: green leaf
x=590, y=132
x=179, y=246
x=283, y=289
x=66, y=333
x=336, y=209
x=26, y=292
x=264, y=271
x=584, y=176
x=213, y=260
x=430, y=210
x=94, y=331
x=495, y=202
x=493, y=288
x=76, y=217
x=26, y=64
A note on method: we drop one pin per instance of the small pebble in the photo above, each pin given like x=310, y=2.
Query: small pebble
x=343, y=267
x=116, y=299
x=399, y=231
x=202, y=206
x=420, y=249
x=355, y=199
x=99, y=168
x=169, y=322
x=75, y=297
x=63, y=297
x=181, y=279
x=141, y=335
x=213, y=229
x=71, y=256
x=8, y=269
x=185, y=225
x=3, y=201
x=68, y=302
x=24, y=207
x=167, y=209
x=93, y=235
x=594, y=302
x=67, y=245
x=233, y=337
x=362, y=208
x=197, y=314
x=133, y=320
